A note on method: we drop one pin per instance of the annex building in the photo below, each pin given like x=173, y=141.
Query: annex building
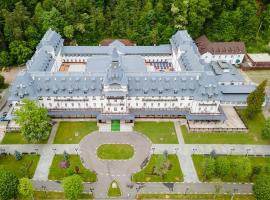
x=119, y=82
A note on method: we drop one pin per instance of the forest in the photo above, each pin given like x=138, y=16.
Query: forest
x=146, y=22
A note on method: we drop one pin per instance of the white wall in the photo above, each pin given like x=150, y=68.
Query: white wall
x=123, y=105
x=230, y=58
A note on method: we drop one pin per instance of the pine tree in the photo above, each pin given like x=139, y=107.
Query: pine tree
x=255, y=100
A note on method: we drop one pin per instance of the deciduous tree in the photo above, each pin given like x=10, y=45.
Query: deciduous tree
x=73, y=187
x=26, y=188
x=8, y=184
x=261, y=187
x=33, y=120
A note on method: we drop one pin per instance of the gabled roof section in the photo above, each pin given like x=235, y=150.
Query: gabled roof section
x=112, y=42
x=204, y=46
x=51, y=38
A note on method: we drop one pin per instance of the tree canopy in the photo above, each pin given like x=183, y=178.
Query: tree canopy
x=255, y=100
x=73, y=187
x=25, y=187
x=266, y=129
x=84, y=22
x=33, y=120
x=8, y=184
x=261, y=187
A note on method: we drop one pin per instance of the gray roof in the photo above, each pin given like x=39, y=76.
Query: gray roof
x=119, y=65
x=127, y=50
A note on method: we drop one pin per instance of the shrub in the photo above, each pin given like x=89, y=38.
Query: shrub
x=17, y=155
x=66, y=156
x=266, y=130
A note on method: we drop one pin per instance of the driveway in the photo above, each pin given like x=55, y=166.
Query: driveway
x=90, y=143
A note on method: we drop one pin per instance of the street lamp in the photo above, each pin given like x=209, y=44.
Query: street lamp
x=186, y=191
x=235, y=190
x=232, y=149
x=54, y=149
x=44, y=188
x=36, y=150
x=248, y=151
x=91, y=190
x=153, y=149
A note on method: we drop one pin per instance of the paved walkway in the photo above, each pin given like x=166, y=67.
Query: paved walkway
x=152, y=188
x=178, y=132
x=186, y=163
x=42, y=170
x=53, y=132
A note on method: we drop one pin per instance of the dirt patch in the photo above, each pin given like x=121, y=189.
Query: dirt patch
x=11, y=74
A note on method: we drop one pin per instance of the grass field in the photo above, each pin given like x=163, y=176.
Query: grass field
x=114, y=192
x=23, y=168
x=173, y=175
x=115, y=151
x=17, y=138
x=39, y=195
x=195, y=196
x=252, y=137
x=158, y=132
x=73, y=132
x=58, y=173
x=259, y=75
x=255, y=161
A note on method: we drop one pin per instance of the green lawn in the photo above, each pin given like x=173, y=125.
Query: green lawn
x=57, y=173
x=38, y=195
x=173, y=175
x=259, y=75
x=115, y=151
x=195, y=196
x=23, y=168
x=158, y=132
x=73, y=132
x=252, y=137
x=255, y=161
x=114, y=192
x=17, y=138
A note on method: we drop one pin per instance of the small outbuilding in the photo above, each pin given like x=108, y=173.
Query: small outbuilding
x=259, y=60
x=231, y=52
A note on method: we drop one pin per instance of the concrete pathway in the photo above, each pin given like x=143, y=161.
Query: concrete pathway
x=188, y=168
x=186, y=163
x=53, y=132
x=152, y=188
x=42, y=170
x=178, y=132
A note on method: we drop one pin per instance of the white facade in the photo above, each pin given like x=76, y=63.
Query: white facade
x=230, y=58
